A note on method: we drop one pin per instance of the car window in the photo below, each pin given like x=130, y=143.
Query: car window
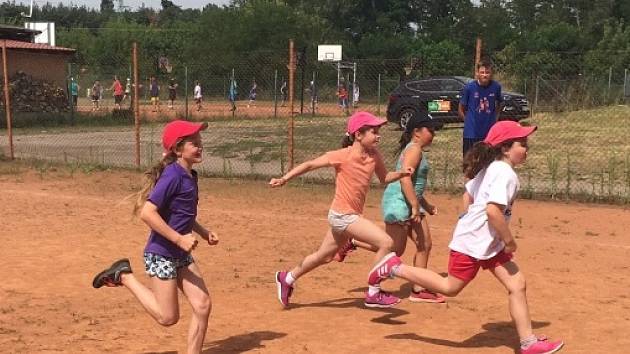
x=450, y=85
x=424, y=85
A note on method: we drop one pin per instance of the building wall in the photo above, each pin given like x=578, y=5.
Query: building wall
x=39, y=65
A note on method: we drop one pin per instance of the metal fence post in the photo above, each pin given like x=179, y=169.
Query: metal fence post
x=291, y=89
x=275, y=93
x=7, y=98
x=378, y=96
x=136, y=102
x=625, y=84
x=609, y=82
x=186, y=91
x=69, y=85
x=313, y=95
x=536, y=96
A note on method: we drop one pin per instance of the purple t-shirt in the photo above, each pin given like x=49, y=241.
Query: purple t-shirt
x=176, y=196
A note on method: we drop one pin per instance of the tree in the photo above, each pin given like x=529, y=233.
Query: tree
x=107, y=6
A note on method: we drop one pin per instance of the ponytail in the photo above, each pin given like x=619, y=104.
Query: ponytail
x=150, y=178
x=481, y=155
x=405, y=138
x=348, y=139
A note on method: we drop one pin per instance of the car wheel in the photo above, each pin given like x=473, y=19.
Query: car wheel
x=404, y=115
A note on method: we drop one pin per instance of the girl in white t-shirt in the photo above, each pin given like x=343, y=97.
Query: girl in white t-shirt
x=482, y=237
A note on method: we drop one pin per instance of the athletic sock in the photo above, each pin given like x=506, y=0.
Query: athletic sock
x=289, y=279
x=373, y=290
x=394, y=271
x=526, y=342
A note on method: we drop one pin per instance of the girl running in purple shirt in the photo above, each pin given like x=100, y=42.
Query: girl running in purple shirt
x=167, y=203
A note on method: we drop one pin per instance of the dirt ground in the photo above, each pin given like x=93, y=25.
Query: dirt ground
x=60, y=227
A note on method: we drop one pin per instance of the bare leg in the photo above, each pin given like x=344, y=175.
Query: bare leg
x=365, y=246
x=160, y=301
x=366, y=231
x=399, y=234
x=421, y=237
x=449, y=286
x=323, y=255
x=192, y=285
x=514, y=281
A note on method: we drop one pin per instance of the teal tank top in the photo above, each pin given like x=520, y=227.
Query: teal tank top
x=394, y=205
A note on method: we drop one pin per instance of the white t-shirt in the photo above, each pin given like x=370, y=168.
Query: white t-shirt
x=473, y=236
x=197, y=91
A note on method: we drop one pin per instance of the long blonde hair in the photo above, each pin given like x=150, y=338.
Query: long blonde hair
x=150, y=178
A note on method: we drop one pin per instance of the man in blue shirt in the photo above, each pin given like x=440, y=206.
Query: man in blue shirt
x=479, y=105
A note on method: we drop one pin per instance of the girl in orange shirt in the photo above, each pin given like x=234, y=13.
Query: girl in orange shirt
x=354, y=164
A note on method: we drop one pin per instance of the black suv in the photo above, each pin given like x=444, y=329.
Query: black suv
x=440, y=96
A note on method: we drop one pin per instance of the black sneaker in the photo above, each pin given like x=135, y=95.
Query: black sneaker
x=111, y=275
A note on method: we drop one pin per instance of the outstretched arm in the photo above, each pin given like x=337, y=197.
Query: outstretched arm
x=301, y=169
x=388, y=177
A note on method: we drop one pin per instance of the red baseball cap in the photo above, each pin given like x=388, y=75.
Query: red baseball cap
x=363, y=119
x=507, y=130
x=178, y=129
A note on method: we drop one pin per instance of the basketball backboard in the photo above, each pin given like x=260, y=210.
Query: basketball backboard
x=328, y=52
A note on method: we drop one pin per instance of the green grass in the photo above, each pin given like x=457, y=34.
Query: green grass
x=581, y=155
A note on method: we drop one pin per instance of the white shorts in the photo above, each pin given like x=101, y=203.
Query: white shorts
x=340, y=222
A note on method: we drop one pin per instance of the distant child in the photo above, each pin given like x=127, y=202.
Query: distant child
x=197, y=95
x=233, y=94
x=342, y=93
x=127, y=90
x=96, y=93
x=283, y=93
x=119, y=92
x=355, y=95
x=172, y=93
x=252, y=94
x=354, y=164
x=168, y=205
x=313, y=89
x=154, y=90
x=482, y=237
x=74, y=91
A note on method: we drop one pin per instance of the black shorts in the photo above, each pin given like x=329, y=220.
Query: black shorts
x=172, y=95
x=118, y=99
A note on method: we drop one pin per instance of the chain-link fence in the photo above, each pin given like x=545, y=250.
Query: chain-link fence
x=580, y=150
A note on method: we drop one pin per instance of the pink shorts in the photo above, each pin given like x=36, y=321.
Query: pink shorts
x=465, y=267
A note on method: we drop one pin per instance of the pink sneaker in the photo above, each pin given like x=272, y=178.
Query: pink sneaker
x=381, y=299
x=344, y=250
x=383, y=269
x=284, y=289
x=426, y=296
x=543, y=346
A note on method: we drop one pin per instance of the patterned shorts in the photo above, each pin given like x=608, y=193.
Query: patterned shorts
x=164, y=267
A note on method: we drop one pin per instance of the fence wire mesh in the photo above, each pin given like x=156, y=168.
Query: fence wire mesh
x=580, y=150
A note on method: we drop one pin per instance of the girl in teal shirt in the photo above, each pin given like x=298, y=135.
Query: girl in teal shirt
x=404, y=206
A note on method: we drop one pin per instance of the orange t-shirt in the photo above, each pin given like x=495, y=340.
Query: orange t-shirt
x=353, y=175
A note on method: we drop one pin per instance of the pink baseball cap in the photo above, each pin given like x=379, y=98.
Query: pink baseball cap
x=363, y=119
x=507, y=130
x=178, y=129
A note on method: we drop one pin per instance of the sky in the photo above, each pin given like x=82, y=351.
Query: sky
x=131, y=3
